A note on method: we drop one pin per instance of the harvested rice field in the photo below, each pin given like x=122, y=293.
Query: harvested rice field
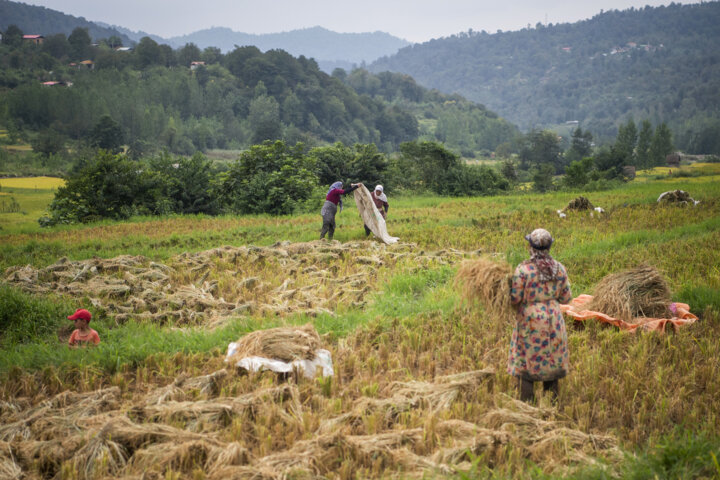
x=418, y=333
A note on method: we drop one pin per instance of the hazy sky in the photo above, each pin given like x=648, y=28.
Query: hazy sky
x=413, y=20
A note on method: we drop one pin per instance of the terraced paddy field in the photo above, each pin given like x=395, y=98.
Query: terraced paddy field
x=419, y=386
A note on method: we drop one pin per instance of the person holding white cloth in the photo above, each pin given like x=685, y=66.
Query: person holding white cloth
x=380, y=199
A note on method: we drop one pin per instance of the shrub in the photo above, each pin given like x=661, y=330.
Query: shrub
x=269, y=178
x=109, y=186
x=24, y=317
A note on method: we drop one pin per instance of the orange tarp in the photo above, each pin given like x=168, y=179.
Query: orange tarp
x=575, y=309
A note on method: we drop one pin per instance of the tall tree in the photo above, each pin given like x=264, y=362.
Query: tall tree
x=80, y=43
x=661, y=144
x=147, y=53
x=264, y=119
x=107, y=134
x=580, y=146
x=188, y=54
x=625, y=142
x=642, y=150
x=540, y=147
x=13, y=36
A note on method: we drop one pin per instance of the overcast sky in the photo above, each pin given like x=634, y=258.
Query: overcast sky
x=413, y=20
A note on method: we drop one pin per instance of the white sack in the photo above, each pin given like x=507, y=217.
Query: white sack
x=371, y=215
x=309, y=368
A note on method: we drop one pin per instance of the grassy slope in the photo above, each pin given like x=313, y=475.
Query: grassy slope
x=640, y=387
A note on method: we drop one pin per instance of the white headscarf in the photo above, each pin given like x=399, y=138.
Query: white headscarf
x=382, y=196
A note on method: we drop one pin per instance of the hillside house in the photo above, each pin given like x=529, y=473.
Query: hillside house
x=36, y=39
x=89, y=64
x=195, y=65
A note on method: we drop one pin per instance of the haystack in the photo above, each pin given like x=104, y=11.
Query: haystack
x=283, y=343
x=638, y=292
x=580, y=203
x=675, y=196
x=486, y=281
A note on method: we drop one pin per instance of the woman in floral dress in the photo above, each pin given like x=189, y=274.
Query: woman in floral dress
x=539, y=347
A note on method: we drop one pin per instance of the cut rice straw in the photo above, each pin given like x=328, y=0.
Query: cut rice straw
x=638, y=292
x=282, y=343
x=487, y=281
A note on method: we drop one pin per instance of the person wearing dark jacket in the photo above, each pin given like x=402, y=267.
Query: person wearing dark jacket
x=333, y=199
x=380, y=200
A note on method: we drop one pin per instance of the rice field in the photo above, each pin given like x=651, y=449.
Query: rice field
x=419, y=390
x=25, y=199
x=32, y=183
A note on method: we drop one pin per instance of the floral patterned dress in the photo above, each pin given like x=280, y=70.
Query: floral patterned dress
x=539, y=349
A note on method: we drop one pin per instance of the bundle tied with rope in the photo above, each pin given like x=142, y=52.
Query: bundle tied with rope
x=488, y=282
x=639, y=292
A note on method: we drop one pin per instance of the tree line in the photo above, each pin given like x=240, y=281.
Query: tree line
x=270, y=178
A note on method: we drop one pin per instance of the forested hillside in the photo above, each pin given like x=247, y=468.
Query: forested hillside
x=657, y=63
x=32, y=19
x=189, y=100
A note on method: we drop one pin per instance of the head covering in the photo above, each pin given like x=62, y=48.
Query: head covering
x=381, y=197
x=334, y=186
x=80, y=313
x=540, y=241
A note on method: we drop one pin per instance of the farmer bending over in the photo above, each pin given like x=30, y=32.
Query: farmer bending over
x=381, y=203
x=329, y=208
x=83, y=335
x=539, y=347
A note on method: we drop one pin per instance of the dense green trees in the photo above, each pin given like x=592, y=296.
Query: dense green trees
x=658, y=63
x=234, y=101
x=429, y=165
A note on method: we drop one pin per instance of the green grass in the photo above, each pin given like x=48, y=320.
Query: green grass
x=33, y=204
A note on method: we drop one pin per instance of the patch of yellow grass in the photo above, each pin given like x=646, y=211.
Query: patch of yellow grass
x=38, y=183
x=18, y=148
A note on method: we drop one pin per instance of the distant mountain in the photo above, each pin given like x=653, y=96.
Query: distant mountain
x=326, y=47
x=44, y=21
x=134, y=36
x=660, y=63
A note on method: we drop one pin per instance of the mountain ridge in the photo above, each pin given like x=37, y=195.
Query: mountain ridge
x=660, y=63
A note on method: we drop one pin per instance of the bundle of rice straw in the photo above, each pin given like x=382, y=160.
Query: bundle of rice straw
x=580, y=203
x=283, y=343
x=638, y=292
x=675, y=196
x=487, y=281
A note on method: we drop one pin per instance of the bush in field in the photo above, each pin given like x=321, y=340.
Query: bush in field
x=360, y=163
x=577, y=174
x=269, y=178
x=109, y=186
x=187, y=184
x=430, y=166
